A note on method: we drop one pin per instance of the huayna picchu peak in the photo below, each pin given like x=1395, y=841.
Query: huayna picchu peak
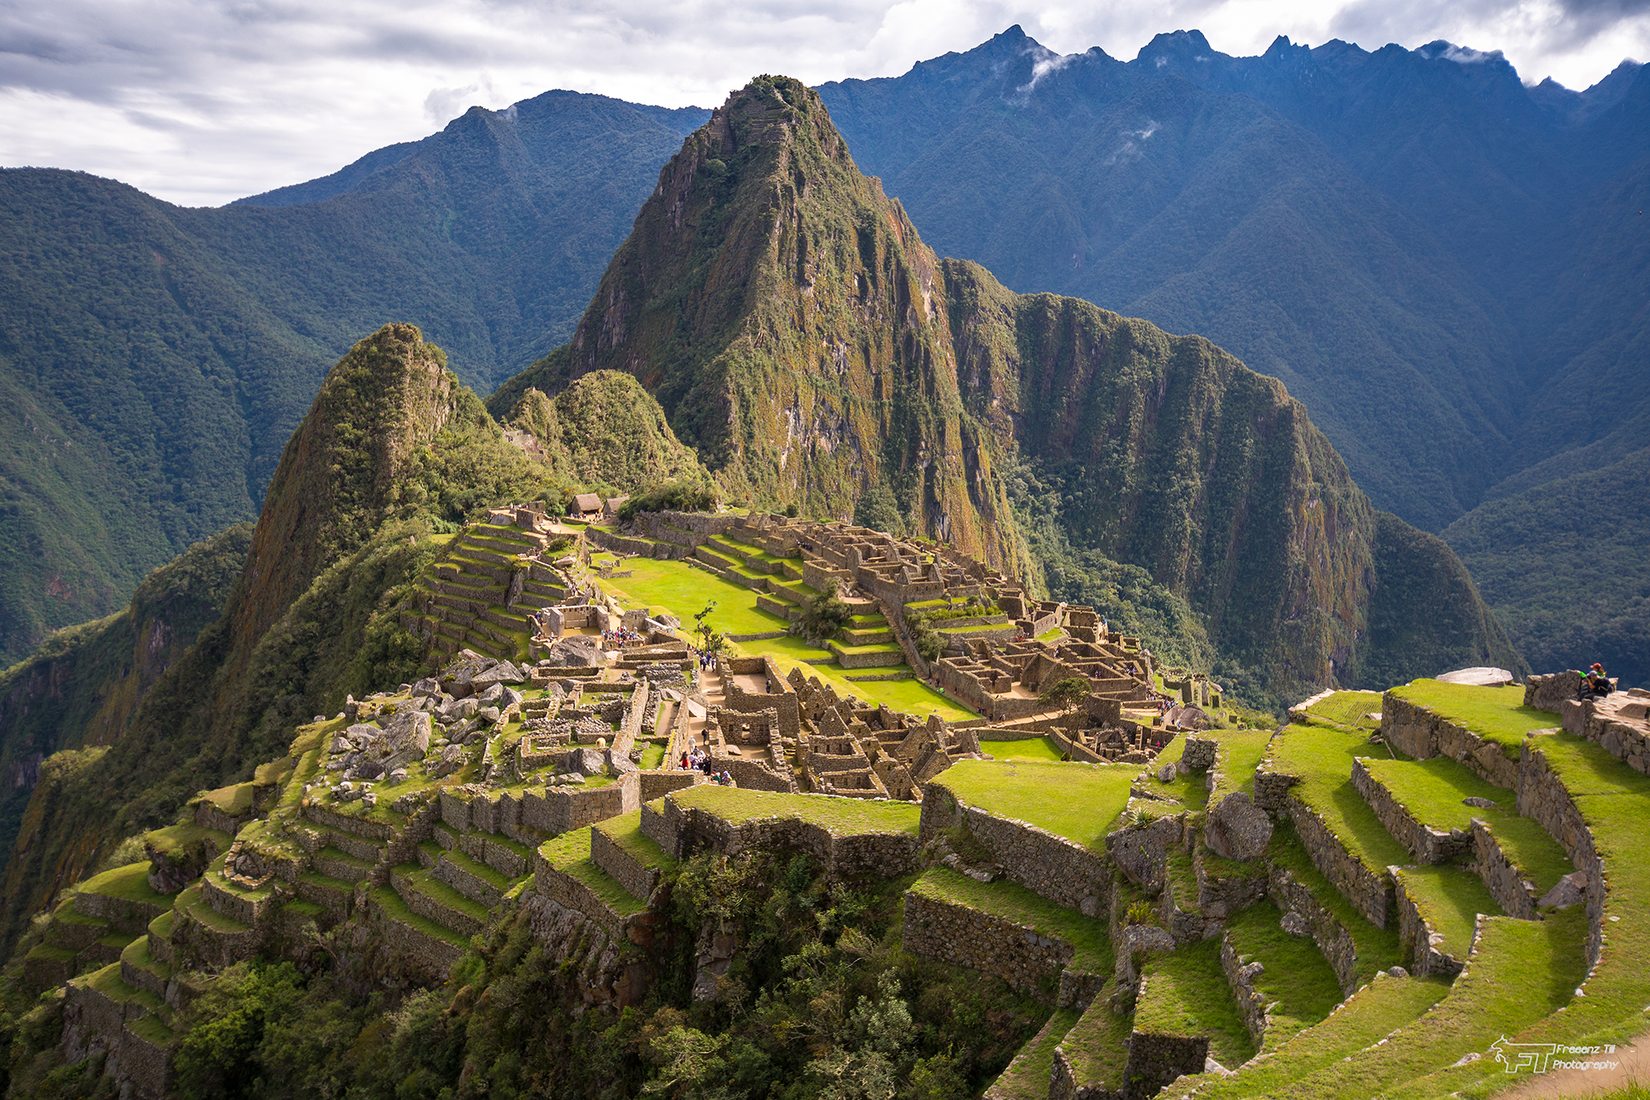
x=822, y=667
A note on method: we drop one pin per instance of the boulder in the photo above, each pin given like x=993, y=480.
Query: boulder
x=584, y=761
x=1480, y=676
x=1295, y=924
x=1479, y=802
x=1567, y=891
x=1237, y=828
x=426, y=688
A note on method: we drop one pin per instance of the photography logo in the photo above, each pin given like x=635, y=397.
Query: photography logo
x=1541, y=1057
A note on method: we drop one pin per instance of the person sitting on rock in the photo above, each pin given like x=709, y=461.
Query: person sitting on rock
x=1596, y=682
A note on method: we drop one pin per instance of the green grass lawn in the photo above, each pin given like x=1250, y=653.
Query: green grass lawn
x=1433, y=792
x=1323, y=757
x=1185, y=993
x=1347, y=708
x=1080, y=802
x=1376, y=948
x=1238, y=754
x=1297, y=981
x=626, y=832
x=1614, y=801
x=1091, y=947
x=1032, y=748
x=1368, y=1015
x=570, y=854
x=1522, y=972
x=129, y=883
x=1097, y=1047
x=841, y=816
x=1494, y=713
x=683, y=589
x=653, y=755
x=1449, y=900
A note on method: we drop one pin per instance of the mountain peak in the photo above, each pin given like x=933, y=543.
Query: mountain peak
x=1175, y=46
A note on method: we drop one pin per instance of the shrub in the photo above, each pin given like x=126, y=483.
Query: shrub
x=671, y=496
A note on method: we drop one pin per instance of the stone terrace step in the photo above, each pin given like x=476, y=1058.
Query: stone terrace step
x=1185, y=1012
x=1355, y=948
x=630, y=857
x=1366, y=1017
x=1027, y=1076
x=1520, y=972
x=1092, y=1059
x=1001, y=928
x=436, y=901
x=1294, y=987
x=472, y=878
x=565, y=872
x=339, y=864
x=425, y=945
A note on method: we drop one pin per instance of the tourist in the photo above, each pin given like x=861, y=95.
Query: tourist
x=1596, y=682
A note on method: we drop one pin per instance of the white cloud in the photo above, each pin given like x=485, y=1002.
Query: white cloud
x=200, y=101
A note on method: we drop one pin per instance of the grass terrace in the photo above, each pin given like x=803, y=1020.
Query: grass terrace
x=1494, y=713
x=569, y=853
x=1026, y=1077
x=1323, y=758
x=1522, y=972
x=1238, y=754
x=1031, y=748
x=129, y=883
x=840, y=816
x=1363, y=1019
x=1297, y=981
x=1449, y=899
x=683, y=590
x=1091, y=947
x=1347, y=708
x=1080, y=802
x=626, y=832
x=1377, y=948
x=1434, y=792
x=1185, y=993
x=1096, y=1047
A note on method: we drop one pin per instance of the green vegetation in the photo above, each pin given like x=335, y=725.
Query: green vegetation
x=840, y=816
x=1369, y=1015
x=1434, y=793
x=1184, y=993
x=1297, y=983
x=1494, y=713
x=1030, y=748
x=1096, y=1047
x=129, y=883
x=1347, y=708
x=1091, y=947
x=673, y=496
x=1376, y=948
x=1026, y=1078
x=1449, y=900
x=1323, y=758
x=1237, y=754
x=1080, y=802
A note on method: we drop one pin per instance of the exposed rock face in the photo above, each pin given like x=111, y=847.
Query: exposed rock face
x=1237, y=828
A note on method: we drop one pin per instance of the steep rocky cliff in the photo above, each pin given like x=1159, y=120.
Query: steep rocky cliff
x=793, y=326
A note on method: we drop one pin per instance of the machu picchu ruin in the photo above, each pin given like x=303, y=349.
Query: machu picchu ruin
x=1381, y=897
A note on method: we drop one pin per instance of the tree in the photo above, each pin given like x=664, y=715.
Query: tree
x=711, y=640
x=823, y=616
x=1067, y=693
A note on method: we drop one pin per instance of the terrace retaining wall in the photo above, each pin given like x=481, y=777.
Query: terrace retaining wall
x=1051, y=866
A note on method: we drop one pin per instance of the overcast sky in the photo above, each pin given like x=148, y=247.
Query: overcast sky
x=200, y=102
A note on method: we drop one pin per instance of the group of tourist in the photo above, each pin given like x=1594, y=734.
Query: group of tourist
x=1595, y=682
x=619, y=637
x=707, y=661
x=697, y=759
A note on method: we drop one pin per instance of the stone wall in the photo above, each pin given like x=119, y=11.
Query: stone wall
x=1370, y=892
x=1551, y=691
x=1155, y=1060
x=1417, y=732
x=94, y=1022
x=1511, y=890
x=1140, y=851
x=1058, y=869
x=1022, y=957
x=1418, y=943
x=1426, y=844
x=1618, y=724
x=681, y=832
x=1543, y=797
x=1241, y=976
x=1332, y=938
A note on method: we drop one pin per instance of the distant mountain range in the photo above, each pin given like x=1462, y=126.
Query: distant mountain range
x=1449, y=268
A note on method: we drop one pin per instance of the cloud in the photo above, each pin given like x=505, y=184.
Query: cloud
x=201, y=101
